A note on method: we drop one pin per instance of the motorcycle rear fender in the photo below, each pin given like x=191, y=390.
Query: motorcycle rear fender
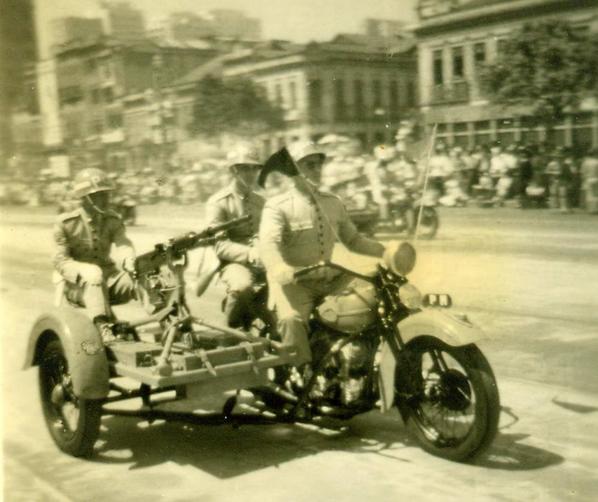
x=82, y=346
x=452, y=328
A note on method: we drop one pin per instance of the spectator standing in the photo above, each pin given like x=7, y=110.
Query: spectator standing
x=589, y=180
x=440, y=168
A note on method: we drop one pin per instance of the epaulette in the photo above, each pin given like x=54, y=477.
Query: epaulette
x=113, y=213
x=68, y=215
x=220, y=194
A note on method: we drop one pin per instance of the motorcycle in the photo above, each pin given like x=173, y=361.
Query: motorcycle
x=377, y=345
x=403, y=212
x=126, y=207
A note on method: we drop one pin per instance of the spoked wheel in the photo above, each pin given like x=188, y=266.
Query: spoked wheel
x=428, y=226
x=74, y=423
x=454, y=408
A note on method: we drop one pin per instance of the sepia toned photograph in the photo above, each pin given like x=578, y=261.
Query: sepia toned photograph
x=299, y=250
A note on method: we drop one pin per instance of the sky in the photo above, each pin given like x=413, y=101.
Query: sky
x=297, y=20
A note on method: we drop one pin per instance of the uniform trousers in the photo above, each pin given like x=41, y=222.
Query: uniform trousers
x=239, y=308
x=294, y=303
x=97, y=288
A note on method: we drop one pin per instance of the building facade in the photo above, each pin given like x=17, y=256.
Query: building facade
x=68, y=29
x=95, y=82
x=455, y=37
x=123, y=22
x=352, y=86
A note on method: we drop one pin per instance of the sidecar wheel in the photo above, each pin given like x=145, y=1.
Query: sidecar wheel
x=73, y=423
x=454, y=406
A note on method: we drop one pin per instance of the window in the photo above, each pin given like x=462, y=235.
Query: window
x=339, y=99
x=393, y=93
x=293, y=95
x=115, y=120
x=278, y=94
x=458, y=69
x=500, y=46
x=411, y=94
x=437, y=67
x=481, y=125
x=315, y=99
x=377, y=94
x=96, y=96
x=460, y=127
x=479, y=53
x=359, y=99
x=108, y=94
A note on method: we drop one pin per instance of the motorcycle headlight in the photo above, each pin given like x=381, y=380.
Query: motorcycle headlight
x=410, y=296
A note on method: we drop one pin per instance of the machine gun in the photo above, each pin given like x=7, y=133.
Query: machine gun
x=177, y=247
x=160, y=272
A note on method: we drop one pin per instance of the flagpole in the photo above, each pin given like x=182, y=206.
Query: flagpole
x=426, y=176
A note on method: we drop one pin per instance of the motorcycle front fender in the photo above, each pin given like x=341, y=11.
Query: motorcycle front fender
x=82, y=345
x=452, y=328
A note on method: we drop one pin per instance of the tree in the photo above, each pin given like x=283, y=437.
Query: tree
x=549, y=67
x=237, y=107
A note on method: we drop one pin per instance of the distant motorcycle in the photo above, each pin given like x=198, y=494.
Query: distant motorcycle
x=126, y=207
x=404, y=205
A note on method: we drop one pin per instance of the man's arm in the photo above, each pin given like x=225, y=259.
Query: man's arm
x=226, y=249
x=354, y=241
x=123, y=245
x=62, y=257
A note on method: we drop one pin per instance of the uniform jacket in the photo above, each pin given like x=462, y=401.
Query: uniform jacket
x=230, y=203
x=79, y=238
x=296, y=231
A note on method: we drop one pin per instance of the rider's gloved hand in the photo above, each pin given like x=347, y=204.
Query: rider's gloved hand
x=283, y=274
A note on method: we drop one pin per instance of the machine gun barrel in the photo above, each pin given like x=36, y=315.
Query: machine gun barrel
x=177, y=246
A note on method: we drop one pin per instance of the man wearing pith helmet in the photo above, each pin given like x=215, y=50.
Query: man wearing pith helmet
x=299, y=228
x=84, y=238
x=238, y=254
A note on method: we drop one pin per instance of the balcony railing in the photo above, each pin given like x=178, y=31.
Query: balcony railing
x=455, y=92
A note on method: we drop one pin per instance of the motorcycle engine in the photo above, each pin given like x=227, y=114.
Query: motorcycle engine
x=344, y=379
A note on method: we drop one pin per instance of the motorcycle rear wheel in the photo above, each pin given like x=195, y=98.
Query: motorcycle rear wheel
x=73, y=422
x=429, y=224
x=454, y=411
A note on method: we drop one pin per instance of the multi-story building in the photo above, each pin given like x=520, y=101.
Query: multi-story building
x=69, y=29
x=235, y=24
x=455, y=37
x=17, y=53
x=123, y=22
x=352, y=85
x=93, y=81
x=216, y=24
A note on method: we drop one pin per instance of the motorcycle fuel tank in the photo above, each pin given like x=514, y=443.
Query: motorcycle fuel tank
x=350, y=311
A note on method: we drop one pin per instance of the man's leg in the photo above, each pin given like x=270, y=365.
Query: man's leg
x=239, y=293
x=293, y=304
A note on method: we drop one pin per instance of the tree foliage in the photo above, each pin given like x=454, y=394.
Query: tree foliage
x=548, y=66
x=237, y=107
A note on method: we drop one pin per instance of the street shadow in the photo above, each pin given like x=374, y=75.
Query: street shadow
x=226, y=452
x=574, y=407
x=507, y=453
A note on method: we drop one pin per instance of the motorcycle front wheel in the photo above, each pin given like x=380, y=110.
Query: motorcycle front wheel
x=453, y=406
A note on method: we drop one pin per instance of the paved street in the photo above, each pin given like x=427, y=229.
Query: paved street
x=528, y=277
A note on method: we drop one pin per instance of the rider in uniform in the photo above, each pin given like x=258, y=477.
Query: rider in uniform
x=299, y=228
x=238, y=254
x=83, y=238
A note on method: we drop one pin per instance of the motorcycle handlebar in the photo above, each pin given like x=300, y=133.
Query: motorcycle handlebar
x=328, y=264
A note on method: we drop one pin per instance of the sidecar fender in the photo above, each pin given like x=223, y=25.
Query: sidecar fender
x=452, y=328
x=82, y=346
